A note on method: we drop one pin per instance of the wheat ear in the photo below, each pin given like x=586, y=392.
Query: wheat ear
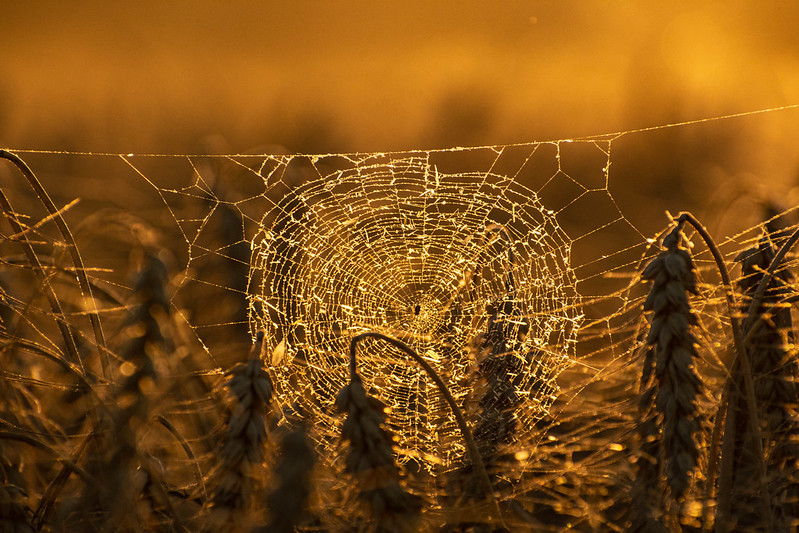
x=287, y=502
x=678, y=386
x=646, y=509
x=242, y=453
x=370, y=459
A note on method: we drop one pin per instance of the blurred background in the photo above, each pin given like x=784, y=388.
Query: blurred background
x=313, y=76
x=202, y=76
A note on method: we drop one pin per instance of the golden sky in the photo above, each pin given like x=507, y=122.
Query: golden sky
x=158, y=76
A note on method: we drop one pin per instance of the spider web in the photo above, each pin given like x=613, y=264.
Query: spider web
x=429, y=247
x=398, y=247
x=442, y=249
x=445, y=250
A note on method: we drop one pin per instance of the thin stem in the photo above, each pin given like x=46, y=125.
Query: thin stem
x=30, y=441
x=80, y=269
x=38, y=268
x=710, y=479
x=32, y=347
x=474, y=452
x=56, y=486
x=188, y=451
x=749, y=387
x=760, y=292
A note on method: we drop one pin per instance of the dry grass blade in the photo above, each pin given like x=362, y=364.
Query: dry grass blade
x=57, y=485
x=189, y=453
x=37, y=349
x=15, y=515
x=87, y=478
x=80, y=269
x=33, y=259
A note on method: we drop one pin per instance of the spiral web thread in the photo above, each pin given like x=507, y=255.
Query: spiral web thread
x=400, y=248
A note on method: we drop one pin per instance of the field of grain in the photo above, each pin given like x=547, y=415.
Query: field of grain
x=199, y=361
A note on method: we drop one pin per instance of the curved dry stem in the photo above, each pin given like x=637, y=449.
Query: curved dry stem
x=38, y=268
x=34, y=348
x=189, y=453
x=80, y=269
x=749, y=387
x=30, y=441
x=54, y=488
x=760, y=292
x=474, y=453
x=729, y=294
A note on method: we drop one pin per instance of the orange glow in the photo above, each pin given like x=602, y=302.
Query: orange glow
x=318, y=77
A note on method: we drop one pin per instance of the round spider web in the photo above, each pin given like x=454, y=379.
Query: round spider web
x=460, y=267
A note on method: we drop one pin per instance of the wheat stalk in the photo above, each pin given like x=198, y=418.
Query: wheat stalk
x=287, y=502
x=775, y=373
x=370, y=459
